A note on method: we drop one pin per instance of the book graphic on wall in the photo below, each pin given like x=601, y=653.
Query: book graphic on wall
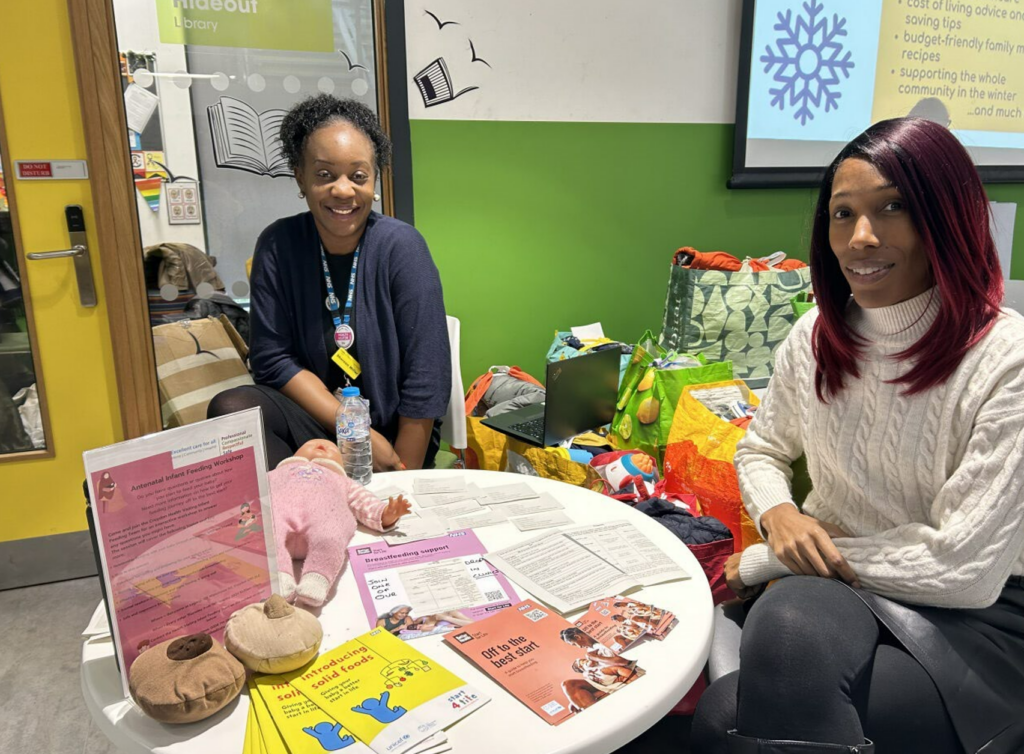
x=246, y=140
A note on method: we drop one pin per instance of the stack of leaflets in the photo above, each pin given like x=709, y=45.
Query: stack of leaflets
x=620, y=622
x=544, y=661
x=446, y=504
x=373, y=693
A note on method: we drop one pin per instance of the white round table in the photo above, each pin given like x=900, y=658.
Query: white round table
x=503, y=726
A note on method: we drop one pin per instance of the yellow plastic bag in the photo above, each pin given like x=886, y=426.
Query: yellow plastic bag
x=550, y=463
x=699, y=457
x=485, y=448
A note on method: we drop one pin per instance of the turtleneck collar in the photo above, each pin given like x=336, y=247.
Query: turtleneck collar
x=901, y=324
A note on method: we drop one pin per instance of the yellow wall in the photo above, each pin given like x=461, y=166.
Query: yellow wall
x=39, y=93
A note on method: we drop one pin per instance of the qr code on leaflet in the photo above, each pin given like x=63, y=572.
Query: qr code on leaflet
x=494, y=596
x=552, y=708
x=536, y=615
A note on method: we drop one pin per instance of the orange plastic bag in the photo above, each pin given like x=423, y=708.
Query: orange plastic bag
x=699, y=456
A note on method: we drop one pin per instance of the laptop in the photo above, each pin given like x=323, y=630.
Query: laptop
x=581, y=395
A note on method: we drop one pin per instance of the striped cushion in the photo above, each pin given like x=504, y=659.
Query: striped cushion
x=195, y=361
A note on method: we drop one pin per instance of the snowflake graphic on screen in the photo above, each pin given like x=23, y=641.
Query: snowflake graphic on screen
x=808, y=61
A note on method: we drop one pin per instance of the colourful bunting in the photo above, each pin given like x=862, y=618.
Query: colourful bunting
x=150, y=190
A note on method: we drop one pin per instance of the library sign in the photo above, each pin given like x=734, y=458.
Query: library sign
x=302, y=25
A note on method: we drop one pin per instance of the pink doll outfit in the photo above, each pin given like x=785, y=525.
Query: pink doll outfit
x=315, y=513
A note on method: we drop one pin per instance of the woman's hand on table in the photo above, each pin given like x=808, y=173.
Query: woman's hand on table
x=804, y=545
x=384, y=456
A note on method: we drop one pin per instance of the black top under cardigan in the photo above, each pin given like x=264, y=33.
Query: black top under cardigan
x=402, y=332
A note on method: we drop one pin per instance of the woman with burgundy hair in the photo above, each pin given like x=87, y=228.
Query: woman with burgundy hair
x=900, y=627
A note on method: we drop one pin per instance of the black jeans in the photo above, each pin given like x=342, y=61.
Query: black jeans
x=816, y=665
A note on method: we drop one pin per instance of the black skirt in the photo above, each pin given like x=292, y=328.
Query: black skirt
x=975, y=658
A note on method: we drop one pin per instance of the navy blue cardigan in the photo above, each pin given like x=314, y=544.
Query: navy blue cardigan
x=399, y=312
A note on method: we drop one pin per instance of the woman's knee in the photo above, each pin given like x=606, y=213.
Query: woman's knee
x=805, y=619
x=715, y=716
x=236, y=399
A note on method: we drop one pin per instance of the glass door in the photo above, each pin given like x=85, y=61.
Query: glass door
x=24, y=425
x=204, y=94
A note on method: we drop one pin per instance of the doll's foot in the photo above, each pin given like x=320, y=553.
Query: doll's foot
x=286, y=585
x=312, y=590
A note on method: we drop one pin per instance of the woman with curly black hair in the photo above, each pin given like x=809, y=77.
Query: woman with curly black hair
x=342, y=277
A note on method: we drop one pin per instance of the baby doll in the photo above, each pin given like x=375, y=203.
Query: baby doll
x=316, y=507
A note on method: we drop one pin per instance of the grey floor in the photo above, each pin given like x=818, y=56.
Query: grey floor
x=41, y=705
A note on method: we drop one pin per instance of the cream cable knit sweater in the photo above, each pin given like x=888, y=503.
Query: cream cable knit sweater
x=931, y=486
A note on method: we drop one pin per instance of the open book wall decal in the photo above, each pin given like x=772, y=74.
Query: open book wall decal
x=246, y=140
x=435, y=84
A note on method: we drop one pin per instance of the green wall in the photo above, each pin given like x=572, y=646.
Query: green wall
x=539, y=226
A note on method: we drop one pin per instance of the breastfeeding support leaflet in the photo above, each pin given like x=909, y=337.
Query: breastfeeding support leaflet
x=428, y=587
x=386, y=693
x=183, y=521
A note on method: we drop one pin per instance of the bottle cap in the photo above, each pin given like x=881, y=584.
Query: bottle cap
x=350, y=392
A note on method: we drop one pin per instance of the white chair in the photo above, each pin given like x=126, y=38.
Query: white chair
x=453, y=430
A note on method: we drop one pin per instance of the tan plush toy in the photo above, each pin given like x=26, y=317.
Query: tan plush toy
x=185, y=679
x=272, y=636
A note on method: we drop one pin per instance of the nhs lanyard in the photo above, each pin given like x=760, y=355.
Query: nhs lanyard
x=344, y=335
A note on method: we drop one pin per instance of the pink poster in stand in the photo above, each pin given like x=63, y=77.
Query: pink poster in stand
x=183, y=520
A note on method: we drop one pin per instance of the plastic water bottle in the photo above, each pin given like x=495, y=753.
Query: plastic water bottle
x=352, y=423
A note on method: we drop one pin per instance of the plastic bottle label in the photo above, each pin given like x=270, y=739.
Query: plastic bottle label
x=346, y=430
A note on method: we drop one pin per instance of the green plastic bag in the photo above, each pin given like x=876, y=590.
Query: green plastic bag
x=801, y=305
x=740, y=316
x=648, y=394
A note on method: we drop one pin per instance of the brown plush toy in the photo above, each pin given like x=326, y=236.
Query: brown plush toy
x=185, y=679
x=273, y=636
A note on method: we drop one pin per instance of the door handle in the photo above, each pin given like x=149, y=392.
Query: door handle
x=79, y=251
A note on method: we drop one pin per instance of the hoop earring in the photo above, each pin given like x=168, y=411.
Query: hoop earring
x=376, y=197
x=302, y=195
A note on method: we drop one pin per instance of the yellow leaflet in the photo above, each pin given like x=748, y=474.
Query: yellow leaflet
x=299, y=726
x=271, y=741
x=251, y=733
x=385, y=692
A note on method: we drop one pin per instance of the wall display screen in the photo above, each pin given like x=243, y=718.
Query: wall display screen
x=815, y=73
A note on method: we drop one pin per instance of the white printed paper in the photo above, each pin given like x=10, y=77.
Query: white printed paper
x=560, y=571
x=460, y=508
x=390, y=491
x=543, y=520
x=589, y=332
x=570, y=569
x=139, y=106
x=412, y=528
x=98, y=623
x=435, y=486
x=526, y=507
x=444, y=498
x=440, y=586
x=476, y=520
x=629, y=550
x=506, y=493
